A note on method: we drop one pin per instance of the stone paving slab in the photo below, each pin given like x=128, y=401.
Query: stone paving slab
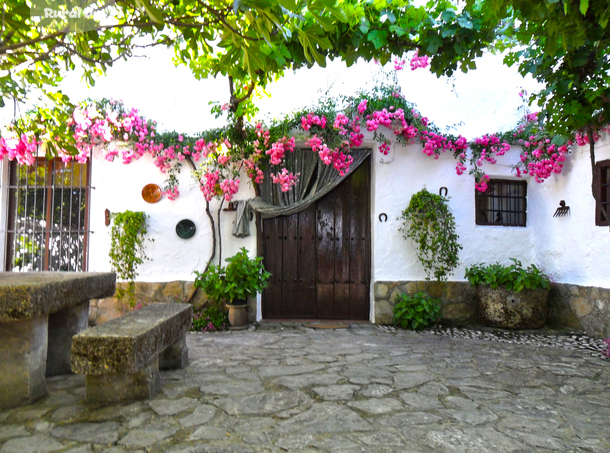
x=285, y=388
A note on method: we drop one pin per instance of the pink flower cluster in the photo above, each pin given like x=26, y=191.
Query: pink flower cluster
x=285, y=179
x=582, y=139
x=91, y=126
x=460, y=168
x=481, y=184
x=419, y=62
x=355, y=137
x=491, y=146
x=172, y=193
x=278, y=150
x=362, y=107
x=435, y=144
x=209, y=184
x=339, y=160
x=22, y=149
x=399, y=64
x=484, y=149
x=229, y=188
x=311, y=119
x=384, y=148
x=540, y=159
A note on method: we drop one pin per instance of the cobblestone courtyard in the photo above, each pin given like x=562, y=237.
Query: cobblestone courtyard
x=288, y=388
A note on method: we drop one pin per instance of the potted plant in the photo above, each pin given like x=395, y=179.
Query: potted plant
x=511, y=297
x=241, y=278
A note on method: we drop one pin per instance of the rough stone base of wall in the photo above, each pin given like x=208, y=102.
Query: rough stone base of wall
x=103, y=310
x=585, y=308
x=459, y=299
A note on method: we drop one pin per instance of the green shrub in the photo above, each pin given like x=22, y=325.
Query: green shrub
x=209, y=319
x=514, y=277
x=416, y=311
x=243, y=277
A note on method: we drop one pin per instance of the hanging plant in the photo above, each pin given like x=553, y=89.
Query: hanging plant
x=428, y=221
x=127, y=250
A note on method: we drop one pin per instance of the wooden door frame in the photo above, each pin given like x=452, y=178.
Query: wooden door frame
x=260, y=248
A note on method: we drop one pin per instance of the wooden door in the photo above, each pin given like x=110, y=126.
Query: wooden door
x=320, y=258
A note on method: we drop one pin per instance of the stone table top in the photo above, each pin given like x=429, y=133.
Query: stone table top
x=27, y=295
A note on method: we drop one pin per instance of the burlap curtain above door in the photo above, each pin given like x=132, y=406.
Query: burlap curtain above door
x=315, y=180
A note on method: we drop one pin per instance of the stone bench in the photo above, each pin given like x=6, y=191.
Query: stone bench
x=122, y=357
x=39, y=314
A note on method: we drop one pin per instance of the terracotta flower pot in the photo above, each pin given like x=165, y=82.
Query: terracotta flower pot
x=526, y=309
x=238, y=313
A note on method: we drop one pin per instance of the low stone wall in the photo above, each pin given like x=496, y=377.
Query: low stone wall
x=581, y=307
x=103, y=310
x=459, y=299
x=584, y=308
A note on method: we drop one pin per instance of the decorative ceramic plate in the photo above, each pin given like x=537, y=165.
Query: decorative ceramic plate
x=151, y=193
x=185, y=229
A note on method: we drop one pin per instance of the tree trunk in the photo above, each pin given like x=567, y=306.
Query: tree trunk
x=220, y=234
x=598, y=202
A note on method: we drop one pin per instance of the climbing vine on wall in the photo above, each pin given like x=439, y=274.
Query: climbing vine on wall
x=127, y=240
x=428, y=221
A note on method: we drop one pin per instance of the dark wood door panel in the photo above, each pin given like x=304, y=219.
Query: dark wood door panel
x=320, y=257
x=306, y=256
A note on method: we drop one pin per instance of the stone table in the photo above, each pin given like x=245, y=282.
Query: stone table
x=39, y=314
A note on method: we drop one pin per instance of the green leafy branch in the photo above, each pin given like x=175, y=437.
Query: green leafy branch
x=127, y=252
x=428, y=221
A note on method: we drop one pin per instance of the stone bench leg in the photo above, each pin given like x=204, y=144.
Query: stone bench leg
x=63, y=325
x=175, y=356
x=121, y=388
x=23, y=355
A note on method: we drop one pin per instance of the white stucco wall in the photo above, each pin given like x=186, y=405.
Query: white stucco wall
x=571, y=249
x=118, y=188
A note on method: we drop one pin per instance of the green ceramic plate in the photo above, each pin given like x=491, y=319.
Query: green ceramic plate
x=185, y=229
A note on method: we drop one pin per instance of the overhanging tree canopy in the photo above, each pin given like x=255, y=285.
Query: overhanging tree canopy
x=250, y=41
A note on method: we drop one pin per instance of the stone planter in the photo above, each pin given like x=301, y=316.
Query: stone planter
x=499, y=307
x=238, y=313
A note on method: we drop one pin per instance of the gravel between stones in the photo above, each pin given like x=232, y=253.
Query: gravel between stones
x=571, y=342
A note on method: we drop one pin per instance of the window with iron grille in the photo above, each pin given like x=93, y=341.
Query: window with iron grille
x=48, y=216
x=504, y=203
x=602, y=183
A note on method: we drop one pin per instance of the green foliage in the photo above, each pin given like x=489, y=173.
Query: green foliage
x=428, y=221
x=250, y=42
x=416, y=311
x=241, y=278
x=127, y=249
x=563, y=45
x=209, y=319
x=514, y=277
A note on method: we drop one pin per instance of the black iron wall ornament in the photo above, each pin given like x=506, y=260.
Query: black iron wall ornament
x=443, y=191
x=562, y=210
x=383, y=217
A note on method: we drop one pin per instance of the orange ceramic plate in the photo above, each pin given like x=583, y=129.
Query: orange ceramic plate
x=151, y=193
